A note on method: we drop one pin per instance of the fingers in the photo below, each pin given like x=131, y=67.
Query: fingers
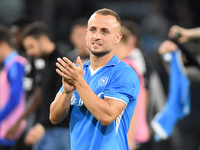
x=63, y=63
x=63, y=68
x=167, y=46
x=80, y=64
x=11, y=136
x=70, y=64
x=29, y=139
x=33, y=136
x=83, y=73
x=66, y=67
x=68, y=70
x=173, y=31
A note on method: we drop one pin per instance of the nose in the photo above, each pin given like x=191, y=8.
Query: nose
x=97, y=35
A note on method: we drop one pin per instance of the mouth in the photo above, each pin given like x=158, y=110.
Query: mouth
x=95, y=44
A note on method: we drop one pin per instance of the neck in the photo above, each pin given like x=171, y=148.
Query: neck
x=97, y=62
x=7, y=51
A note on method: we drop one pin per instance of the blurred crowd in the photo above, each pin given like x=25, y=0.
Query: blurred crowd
x=160, y=42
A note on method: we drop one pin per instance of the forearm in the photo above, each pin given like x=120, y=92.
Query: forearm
x=193, y=33
x=33, y=105
x=59, y=108
x=102, y=110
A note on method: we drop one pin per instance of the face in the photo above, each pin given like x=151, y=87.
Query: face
x=33, y=47
x=17, y=36
x=78, y=38
x=102, y=34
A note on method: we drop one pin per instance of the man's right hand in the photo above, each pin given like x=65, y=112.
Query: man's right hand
x=167, y=46
x=61, y=71
x=69, y=73
x=183, y=34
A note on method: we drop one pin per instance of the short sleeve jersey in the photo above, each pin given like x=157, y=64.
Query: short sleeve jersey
x=117, y=81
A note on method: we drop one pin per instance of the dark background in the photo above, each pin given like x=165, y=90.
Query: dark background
x=154, y=16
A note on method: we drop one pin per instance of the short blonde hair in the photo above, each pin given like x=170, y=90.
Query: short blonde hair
x=106, y=11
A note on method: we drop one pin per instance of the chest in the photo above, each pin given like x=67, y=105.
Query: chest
x=98, y=82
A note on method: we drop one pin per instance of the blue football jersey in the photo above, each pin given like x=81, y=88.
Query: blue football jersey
x=118, y=81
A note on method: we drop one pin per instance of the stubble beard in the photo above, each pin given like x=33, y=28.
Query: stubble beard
x=99, y=54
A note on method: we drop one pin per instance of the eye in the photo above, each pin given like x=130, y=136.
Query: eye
x=92, y=30
x=105, y=31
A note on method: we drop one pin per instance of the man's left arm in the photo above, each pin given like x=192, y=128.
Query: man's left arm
x=107, y=110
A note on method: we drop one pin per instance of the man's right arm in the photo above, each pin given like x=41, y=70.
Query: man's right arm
x=184, y=34
x=60, y=107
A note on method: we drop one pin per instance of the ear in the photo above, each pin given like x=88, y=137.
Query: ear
x=86, y=34
x=118, y=38
x=86, y=30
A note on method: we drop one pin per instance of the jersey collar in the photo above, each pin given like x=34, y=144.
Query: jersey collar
x=114, y=60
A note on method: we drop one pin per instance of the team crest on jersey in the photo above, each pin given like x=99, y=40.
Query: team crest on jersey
x=103, y=81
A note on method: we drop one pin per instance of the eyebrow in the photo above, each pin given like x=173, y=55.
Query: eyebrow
x=101, y=28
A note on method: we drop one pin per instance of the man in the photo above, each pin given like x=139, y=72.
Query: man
x=143, y=62
x=77, y=38
x=32, y=66
x=189, y=126
x=102, y=92
x=38, y=43
x=12, y=94
x=17, y=28
x=138, y=130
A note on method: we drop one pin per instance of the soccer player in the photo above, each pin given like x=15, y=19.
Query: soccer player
x=38, y=42
x=12, y=94
x=101, y=94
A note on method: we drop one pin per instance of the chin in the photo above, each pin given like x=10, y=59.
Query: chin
x=100, y=54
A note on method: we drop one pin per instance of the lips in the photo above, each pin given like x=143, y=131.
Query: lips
x=96, y=44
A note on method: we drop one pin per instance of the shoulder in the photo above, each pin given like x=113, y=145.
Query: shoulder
x=124, y=74
x=123, y=69
x=16, y=70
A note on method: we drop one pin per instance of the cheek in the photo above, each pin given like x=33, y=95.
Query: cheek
x=38, y=51
x=87, y=40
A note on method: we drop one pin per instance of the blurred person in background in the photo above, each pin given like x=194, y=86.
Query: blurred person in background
x=138, y=130
x=154, y=100
x=31, y=66
x=177, y=106
x=188, y=127
x=78, y=39
x=38, y=42
x=17, y=28
x=12, y=94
